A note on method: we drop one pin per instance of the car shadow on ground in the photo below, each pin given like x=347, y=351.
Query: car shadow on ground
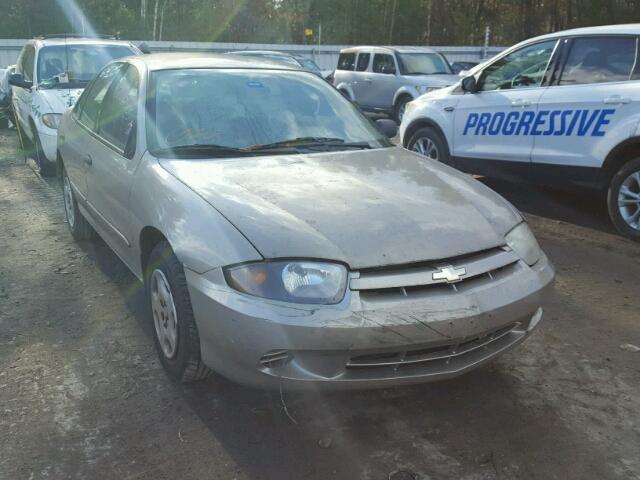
x=582, y=208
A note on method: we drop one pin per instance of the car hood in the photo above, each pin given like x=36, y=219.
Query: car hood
x=365, y=208
x=433, y=80
x=59, y=100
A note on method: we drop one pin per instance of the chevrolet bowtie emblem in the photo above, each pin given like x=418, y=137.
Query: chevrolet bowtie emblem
x=449, y=274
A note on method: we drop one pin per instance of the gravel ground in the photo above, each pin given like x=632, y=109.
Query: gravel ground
x=83, y=396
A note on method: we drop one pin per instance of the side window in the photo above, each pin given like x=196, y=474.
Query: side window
x=599, y=60
x=27, y=60
x=523, y=68
x=383, y=63
x=118, y=113
x=363, y=62
x=346, y=61
x=93, y=97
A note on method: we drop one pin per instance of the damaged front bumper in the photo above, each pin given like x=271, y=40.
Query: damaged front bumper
x=364, y=342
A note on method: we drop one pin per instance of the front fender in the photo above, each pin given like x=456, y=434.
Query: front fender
x=432, y=113
x=405, y=90
x=345, y=87
x=201, y=237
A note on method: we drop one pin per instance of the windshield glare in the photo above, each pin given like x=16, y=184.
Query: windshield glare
x=64, y=64
x=423, y=64
x=243, y=108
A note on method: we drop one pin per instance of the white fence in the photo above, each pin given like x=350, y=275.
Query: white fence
x=326, y=56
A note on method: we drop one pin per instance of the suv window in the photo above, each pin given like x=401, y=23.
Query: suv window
x=118, y=113
x=383, y=63
x=27, y=61
x=523, y=68
x=599, y=60
x=93, y=97
x=346, y=61
x=363, y=62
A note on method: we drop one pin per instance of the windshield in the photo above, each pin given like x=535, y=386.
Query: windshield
x=64, y=65
x=240, y=109
x=423, y=64
x=309, y=65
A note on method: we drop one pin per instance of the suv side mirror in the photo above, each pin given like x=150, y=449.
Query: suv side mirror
x=388, y=127
x=17, y=80
x=469, y=84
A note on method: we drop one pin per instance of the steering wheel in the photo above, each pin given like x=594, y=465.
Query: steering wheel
x=519, y=79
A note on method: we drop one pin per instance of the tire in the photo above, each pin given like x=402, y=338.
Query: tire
x=430, y=143
x=80, y=229
x=170, y=304
x=47, y=169
x=399, y=107
x=623, y=200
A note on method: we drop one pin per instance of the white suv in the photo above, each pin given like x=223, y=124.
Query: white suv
x=50, y=75
x=385, y=79
x=561, y=109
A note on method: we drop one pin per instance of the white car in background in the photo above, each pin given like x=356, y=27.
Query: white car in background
x=561, y=109
x=50, y=75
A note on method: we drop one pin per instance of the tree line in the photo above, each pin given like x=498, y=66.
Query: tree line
x=400, y=22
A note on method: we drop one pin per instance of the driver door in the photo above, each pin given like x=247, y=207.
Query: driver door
x=497, y=122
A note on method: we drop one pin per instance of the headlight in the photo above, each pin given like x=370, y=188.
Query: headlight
x=522, y=241
x=51, y=120
x=290, y=281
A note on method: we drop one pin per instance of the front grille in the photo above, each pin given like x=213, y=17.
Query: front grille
x=434, y=356
x=397, y=283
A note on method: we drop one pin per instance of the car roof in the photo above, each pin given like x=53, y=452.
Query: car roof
x=43, y=42
x=178, y=60
x=624, y=29
x=382, y=48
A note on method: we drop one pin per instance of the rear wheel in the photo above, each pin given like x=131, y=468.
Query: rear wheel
x=176, y=334
x=623, y=199
x=430, y=143
x=78, y=225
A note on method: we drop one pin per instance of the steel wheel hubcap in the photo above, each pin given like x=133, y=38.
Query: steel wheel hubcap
x=425, y=146
x=629, y=200
x=68, y=202
x=164, y=314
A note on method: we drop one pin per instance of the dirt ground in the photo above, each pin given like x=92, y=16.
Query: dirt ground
x=82, y=395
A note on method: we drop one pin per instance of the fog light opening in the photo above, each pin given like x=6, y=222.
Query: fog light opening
x=276, y=358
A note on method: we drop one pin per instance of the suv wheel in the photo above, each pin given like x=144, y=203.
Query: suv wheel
x=175, y=331
x=78, y=225
x=623, y=199
x=400, y=107
x=429, y=142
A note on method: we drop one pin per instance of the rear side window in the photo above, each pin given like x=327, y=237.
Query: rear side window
x=363, y=62
x=383, y=63
x=599, y=60
x=118, y=113
x=346, y=61
x=93, y=98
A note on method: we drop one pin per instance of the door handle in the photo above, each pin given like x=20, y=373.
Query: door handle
x=520, y=103
x=88, y=160
x=617, y=99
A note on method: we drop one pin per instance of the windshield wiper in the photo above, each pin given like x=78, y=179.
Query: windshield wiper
x=308, y=142
x=201, y=150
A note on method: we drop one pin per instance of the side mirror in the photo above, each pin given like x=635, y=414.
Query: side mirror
x=17, y=80
x=388, y=127
x=469, y=84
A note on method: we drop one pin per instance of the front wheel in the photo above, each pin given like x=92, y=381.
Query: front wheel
x=623, y=199
x=176, y=334
x=430, y=143
x=47, y=169
x=400, y=109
